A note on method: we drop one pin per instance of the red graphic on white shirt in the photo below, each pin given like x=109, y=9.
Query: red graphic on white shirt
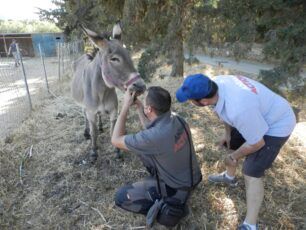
x=247, y=84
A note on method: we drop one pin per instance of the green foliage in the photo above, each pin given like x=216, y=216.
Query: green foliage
x=278, y=24
x=271, y=79
x=192, y=60
x=27, y=26
x=148, y=62
x=145, y=21
x=285, y=40
x=95, y=14
x=240, y=49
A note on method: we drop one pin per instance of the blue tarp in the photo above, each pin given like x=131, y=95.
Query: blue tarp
x=48, y=43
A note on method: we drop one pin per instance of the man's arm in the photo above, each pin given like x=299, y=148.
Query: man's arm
x=252, y=126
x=119, y=129
x=242, y=151
x=247, y=149
x=142, y=117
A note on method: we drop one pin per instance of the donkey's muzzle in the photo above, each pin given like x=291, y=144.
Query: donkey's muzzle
x=135, y=84
x=139, y=89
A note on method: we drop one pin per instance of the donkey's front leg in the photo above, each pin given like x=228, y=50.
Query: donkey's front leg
x=113, y=119
x=100, y=124
x=91, y=116
x=87, y=129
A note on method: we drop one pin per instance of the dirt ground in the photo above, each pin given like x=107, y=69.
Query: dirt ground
x=54, y=192
x=14, y=104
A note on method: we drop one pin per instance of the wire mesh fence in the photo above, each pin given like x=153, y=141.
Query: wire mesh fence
x=24, y=81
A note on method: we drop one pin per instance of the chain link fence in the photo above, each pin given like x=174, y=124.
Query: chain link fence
x=24, y=81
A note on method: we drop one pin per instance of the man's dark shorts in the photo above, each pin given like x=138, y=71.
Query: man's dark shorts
x=256, y=163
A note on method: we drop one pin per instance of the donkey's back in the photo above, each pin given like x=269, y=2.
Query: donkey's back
x=79, y=67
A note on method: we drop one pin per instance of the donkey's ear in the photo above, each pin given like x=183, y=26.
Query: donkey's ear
x=117, y=31
x=97, y=39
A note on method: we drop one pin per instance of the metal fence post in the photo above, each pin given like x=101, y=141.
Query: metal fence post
x=43, y=63
x=63, y=57
x=59, y=60
x=69, y=54
x=19, y=56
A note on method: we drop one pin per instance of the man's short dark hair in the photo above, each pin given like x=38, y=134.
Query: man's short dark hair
x=159, y=99
x=213, y=91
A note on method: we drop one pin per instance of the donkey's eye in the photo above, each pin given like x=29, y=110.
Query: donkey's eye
x=115, y=59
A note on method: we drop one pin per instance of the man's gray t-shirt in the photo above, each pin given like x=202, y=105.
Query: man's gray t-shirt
x=164, y=144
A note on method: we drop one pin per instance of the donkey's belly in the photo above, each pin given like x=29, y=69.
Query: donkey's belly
x=101, y=109
x=106, y=109
x=77, y=90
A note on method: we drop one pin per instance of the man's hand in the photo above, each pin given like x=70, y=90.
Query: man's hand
x=230, y=161
x=128, y=99
x=140, y=109
x=138, y=103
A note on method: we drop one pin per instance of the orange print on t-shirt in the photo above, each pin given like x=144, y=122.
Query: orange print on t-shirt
x=180, y=142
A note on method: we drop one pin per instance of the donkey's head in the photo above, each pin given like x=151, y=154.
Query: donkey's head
x=116, y=64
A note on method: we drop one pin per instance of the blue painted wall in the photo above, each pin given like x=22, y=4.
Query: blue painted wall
x=48, y=43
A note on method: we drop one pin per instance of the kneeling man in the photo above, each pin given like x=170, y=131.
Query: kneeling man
x=166, y=149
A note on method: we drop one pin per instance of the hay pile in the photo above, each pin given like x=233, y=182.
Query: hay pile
x=54, y=192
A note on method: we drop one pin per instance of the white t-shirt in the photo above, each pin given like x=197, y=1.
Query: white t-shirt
x=252, y=108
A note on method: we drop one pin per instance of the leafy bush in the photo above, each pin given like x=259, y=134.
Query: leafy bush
x=27, y=26
x=148, y=62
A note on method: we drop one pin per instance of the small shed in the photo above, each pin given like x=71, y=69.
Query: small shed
x=47, y=43
x=29, y=42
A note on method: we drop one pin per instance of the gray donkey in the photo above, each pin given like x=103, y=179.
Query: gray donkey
x=94, y=83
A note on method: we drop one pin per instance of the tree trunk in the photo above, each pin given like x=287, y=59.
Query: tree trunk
x=177, y=52
x=177, y=58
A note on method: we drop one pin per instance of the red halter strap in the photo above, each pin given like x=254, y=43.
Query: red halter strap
x=131, y=81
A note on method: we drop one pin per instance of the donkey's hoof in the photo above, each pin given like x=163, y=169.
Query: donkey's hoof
x=93, y=156
x=86, y=135
x=90, y=158
x=119, y=154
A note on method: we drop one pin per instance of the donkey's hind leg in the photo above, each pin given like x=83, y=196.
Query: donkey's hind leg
x=87, y=130
x=91, y=116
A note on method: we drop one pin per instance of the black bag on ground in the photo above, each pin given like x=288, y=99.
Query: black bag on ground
x=167, y=213
x=170, y=214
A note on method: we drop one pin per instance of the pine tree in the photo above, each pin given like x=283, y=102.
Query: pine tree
x=164, y=26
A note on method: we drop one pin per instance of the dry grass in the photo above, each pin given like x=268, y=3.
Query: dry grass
x=57, y=193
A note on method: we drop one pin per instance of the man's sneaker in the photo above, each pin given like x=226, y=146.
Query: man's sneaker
x=221, y=178
x=246, y=227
